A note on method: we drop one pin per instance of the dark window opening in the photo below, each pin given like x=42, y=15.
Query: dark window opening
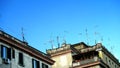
x=9, y=53
x=5, y=52
x=13, y=53
x=20, y=59
x=35, y=64
x=109, y=62
x=106, y=60
x=44, y=65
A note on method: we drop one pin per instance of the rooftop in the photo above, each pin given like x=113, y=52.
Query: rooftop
x=24, y=46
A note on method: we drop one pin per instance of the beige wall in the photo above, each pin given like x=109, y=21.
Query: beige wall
x=62, y=61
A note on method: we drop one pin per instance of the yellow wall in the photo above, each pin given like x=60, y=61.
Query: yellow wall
x=107, y=60
x=101, y=54
x=62, y=61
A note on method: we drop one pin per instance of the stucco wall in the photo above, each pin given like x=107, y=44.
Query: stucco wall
x=62, y=61
x=14, y=62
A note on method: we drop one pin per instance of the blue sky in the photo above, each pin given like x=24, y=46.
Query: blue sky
x=44, y=20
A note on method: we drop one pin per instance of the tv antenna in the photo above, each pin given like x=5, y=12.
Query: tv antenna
x=51, y=42
x=109, y=41
x=111, y=46
x=58, y=41
x=96, y=33
x=86, y=31
x=101, y=39
x=23, y=38
x=64, y=40
x=112, y=49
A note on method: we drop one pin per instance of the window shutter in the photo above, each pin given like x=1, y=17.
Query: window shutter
x=46, y=66
x=2, y=51
x=21, y=59
x=37, y=64
x=32, y=63
x=13, y=53
x=9, y=53
x=42, y=65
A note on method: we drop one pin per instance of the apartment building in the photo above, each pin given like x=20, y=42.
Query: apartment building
x=81, y=55
x=15, y=53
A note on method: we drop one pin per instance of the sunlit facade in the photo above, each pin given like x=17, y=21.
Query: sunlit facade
x=81, y=55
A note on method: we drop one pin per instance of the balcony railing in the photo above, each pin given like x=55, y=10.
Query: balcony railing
x=87, y=61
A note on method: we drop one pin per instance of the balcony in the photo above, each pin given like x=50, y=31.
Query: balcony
x=87, y=61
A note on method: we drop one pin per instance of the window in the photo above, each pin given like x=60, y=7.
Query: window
x=44, y=65
x=5, y=52
x=106, y=60
x=13, y=53
x=109, y=62
x=115, y=66
x=20, y=59
x=35, y=64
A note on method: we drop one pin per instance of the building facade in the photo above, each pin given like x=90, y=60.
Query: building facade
x=81, y=55
x=15, y=53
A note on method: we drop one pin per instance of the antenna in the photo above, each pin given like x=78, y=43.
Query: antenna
x=108, y=41
x=51, y=42
x=23, y=38
x=64, y=40
x=87, y=35
x=58, y=41
x=111, y=47
x=95, y=37
x=101, y=39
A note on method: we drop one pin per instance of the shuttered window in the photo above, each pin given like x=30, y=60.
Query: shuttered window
x=20, y=59
x=5, y=52
x=9, y=53
x=35, y=64
x=2, y=51
x=44, y=65
x=13, y=53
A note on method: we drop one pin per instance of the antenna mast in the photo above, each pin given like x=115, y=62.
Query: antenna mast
x=64, y=40
x=111, y=46
x=87, y=35
x=101, y=39
x=95, y=37
x=51, y=42
x=58, y=41
x=23, y=38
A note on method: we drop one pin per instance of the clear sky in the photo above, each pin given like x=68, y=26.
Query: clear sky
x=72, y=20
